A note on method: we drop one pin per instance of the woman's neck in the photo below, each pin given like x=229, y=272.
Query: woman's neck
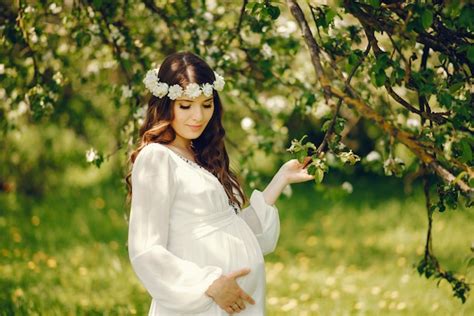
x=184, y=145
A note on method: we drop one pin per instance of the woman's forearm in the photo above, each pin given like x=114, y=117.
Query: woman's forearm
x=275, y=187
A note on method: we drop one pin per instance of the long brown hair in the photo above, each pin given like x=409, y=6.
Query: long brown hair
x=183, y=68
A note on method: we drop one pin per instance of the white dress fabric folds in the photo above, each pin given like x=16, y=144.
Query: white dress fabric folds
x=183, y=235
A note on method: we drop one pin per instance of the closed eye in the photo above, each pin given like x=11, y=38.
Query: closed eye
x=186, y=107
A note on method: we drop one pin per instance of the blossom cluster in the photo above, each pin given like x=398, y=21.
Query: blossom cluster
x=192, y=90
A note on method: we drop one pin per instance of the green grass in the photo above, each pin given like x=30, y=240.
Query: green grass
x=66, y=255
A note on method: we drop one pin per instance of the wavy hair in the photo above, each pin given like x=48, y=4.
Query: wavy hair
x=183, y=68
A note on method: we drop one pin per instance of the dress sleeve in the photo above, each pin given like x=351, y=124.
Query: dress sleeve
x=264, y=221
x=176, y=284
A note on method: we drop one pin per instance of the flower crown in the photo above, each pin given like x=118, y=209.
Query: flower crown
x=193, y=90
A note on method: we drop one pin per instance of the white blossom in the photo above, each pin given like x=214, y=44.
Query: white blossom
x=141, y=112
x=287, y=28
x=90, y=11
x=247, y=123
x=125, y=55
x=175, y=91
x=29, y=9
x=211, y=4
x=94, y=28
x=276, y=103
x=22, y=107
x=413, y=123
x=347, y=186
x=208, y=16
x=441, y=72
x=2, y=69
x=192, y=90
x=54, y=8
x=267, y=51
x=126, y=91
x=91, y=155
x=138, y=43
x=320, y=109
x=373, y=156
x=93, y=67
x=33, y=35
x=287, y=191
x=58, y=77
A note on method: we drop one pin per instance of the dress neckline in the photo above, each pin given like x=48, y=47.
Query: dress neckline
x=195, y=164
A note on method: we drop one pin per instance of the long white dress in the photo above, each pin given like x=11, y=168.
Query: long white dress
x=183, y=234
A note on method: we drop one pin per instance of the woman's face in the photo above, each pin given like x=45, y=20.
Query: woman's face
x=192, y=115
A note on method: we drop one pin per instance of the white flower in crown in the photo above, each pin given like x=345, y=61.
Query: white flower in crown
x=219, y=82
x=151, y=78
x=207, y=89
x=192, y=90
x=160, y=90
x=151, y=81
x=175, y=91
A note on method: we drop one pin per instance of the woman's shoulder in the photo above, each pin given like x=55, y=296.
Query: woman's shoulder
x=155, y=147
x=153, y=153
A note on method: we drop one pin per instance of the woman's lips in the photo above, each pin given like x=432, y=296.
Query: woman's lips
x=195, y=127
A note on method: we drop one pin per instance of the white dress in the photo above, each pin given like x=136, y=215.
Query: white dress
x=183, y=234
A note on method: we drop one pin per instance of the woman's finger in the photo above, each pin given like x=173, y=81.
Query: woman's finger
x=235, y=307
x=241, y=304
x=247, y=298
x=239, y=273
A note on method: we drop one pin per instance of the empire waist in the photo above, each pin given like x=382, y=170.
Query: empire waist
x=197, y=226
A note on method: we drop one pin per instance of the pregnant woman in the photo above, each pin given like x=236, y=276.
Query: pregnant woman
x=190, y=243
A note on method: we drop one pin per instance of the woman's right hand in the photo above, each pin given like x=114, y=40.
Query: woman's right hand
x=227, y=293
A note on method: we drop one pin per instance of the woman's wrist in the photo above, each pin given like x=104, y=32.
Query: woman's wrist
x=275, y=187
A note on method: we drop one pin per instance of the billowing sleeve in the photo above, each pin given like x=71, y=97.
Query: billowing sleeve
x=264, y=221
x=176, y=284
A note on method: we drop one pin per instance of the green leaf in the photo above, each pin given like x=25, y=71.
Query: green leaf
x=374, y=3
x=330, y=14
x=470, y=53
x=445, y=99
x=378, y=78
x=426, y=18
x=339, y=124
x=466, y=150
x=466, y=18
x=455, y=87
x=273, y=11
x=83, y=38
x=319, y=175
x=97, y=3
x=312, y=169
x=326, y=125
x=301, y=155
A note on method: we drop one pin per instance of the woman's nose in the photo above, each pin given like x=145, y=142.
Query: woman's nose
x=198, y=114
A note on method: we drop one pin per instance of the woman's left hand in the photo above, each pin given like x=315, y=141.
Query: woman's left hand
x=293, y=171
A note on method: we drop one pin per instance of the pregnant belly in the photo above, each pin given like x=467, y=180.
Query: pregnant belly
x=231, y=248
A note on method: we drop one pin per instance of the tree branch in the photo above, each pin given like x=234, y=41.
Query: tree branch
x=404, y=137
